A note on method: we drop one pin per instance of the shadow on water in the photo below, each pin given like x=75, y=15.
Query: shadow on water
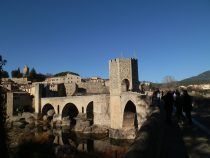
x=60, y=143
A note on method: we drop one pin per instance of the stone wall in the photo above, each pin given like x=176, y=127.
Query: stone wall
x=18, y=102
x=9, y=104
x=125, y=69
x=20, y=80
x=94, y=87
x=71, y=88
x=50, y=90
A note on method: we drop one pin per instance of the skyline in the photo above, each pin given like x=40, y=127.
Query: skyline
x=168, y=38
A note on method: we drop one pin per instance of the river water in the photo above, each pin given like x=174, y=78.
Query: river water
x=63, y=143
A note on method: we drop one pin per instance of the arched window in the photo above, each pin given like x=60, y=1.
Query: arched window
x=125, y=85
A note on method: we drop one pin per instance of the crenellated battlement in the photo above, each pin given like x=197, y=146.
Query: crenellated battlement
x=123, y=75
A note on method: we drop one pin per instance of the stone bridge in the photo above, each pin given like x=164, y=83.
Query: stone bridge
x=123, y=107
x=127, y=110
x=98, y=105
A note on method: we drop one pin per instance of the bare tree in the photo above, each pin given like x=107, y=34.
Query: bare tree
x=169, y=82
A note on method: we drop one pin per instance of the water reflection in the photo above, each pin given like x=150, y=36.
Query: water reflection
x=66, y=142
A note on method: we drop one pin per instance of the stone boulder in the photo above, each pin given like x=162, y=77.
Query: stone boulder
x=95, y=129
x=14, y=118
x=27, y=114
x=21, y=123
x=51, y=112
x=17, y=124
x=57, y=124
x=30, y=127
x=99, y=129
x=45, y=118
x=30, y=120
x=56, y=117
x=122, y=133
x=66, y=122
x=65, y=118
x=81, y=125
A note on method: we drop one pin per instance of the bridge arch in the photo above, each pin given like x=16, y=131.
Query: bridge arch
x=48, y=111
x=125, y=85
x=130, y=115
x=47, y=107
x=90, y=112
x=70, y=110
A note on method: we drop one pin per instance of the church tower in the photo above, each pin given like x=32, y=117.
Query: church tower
x=25, y=71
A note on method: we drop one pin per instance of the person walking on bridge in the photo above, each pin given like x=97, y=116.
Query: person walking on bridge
x=168, y=106
x=187, y=105
x=178, y=105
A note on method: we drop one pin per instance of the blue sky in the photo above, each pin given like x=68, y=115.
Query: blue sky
x=169, y=37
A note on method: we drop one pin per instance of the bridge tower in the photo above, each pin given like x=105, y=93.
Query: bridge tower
x=123, y=76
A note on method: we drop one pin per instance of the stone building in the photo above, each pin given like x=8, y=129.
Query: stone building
x=74, y=85
x=68, y=78
x=18, y=102
x=7, y=84
x=23, y=80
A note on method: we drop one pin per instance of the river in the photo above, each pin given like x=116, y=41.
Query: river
x=63, y=143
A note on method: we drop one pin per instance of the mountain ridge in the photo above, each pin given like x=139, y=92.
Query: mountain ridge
x=202, y=78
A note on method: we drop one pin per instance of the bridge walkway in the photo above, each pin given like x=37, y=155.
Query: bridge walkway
x=185, y=141
x=173, y=145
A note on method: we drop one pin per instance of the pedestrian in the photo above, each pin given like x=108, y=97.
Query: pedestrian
x=158, y=96
x=187, y=105
x=178, y=105
x=168, y=106
x=154, y=98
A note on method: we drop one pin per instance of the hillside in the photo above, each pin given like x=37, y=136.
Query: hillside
x=202, y=78
x=65, y=73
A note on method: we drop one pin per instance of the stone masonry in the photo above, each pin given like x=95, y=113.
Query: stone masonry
x=113, y=103
x=108, y=108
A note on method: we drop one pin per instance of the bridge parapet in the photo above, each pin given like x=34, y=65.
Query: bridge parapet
x=149, y=139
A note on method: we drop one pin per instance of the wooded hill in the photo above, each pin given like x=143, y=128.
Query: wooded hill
x=65, y=73
x=203, y=78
